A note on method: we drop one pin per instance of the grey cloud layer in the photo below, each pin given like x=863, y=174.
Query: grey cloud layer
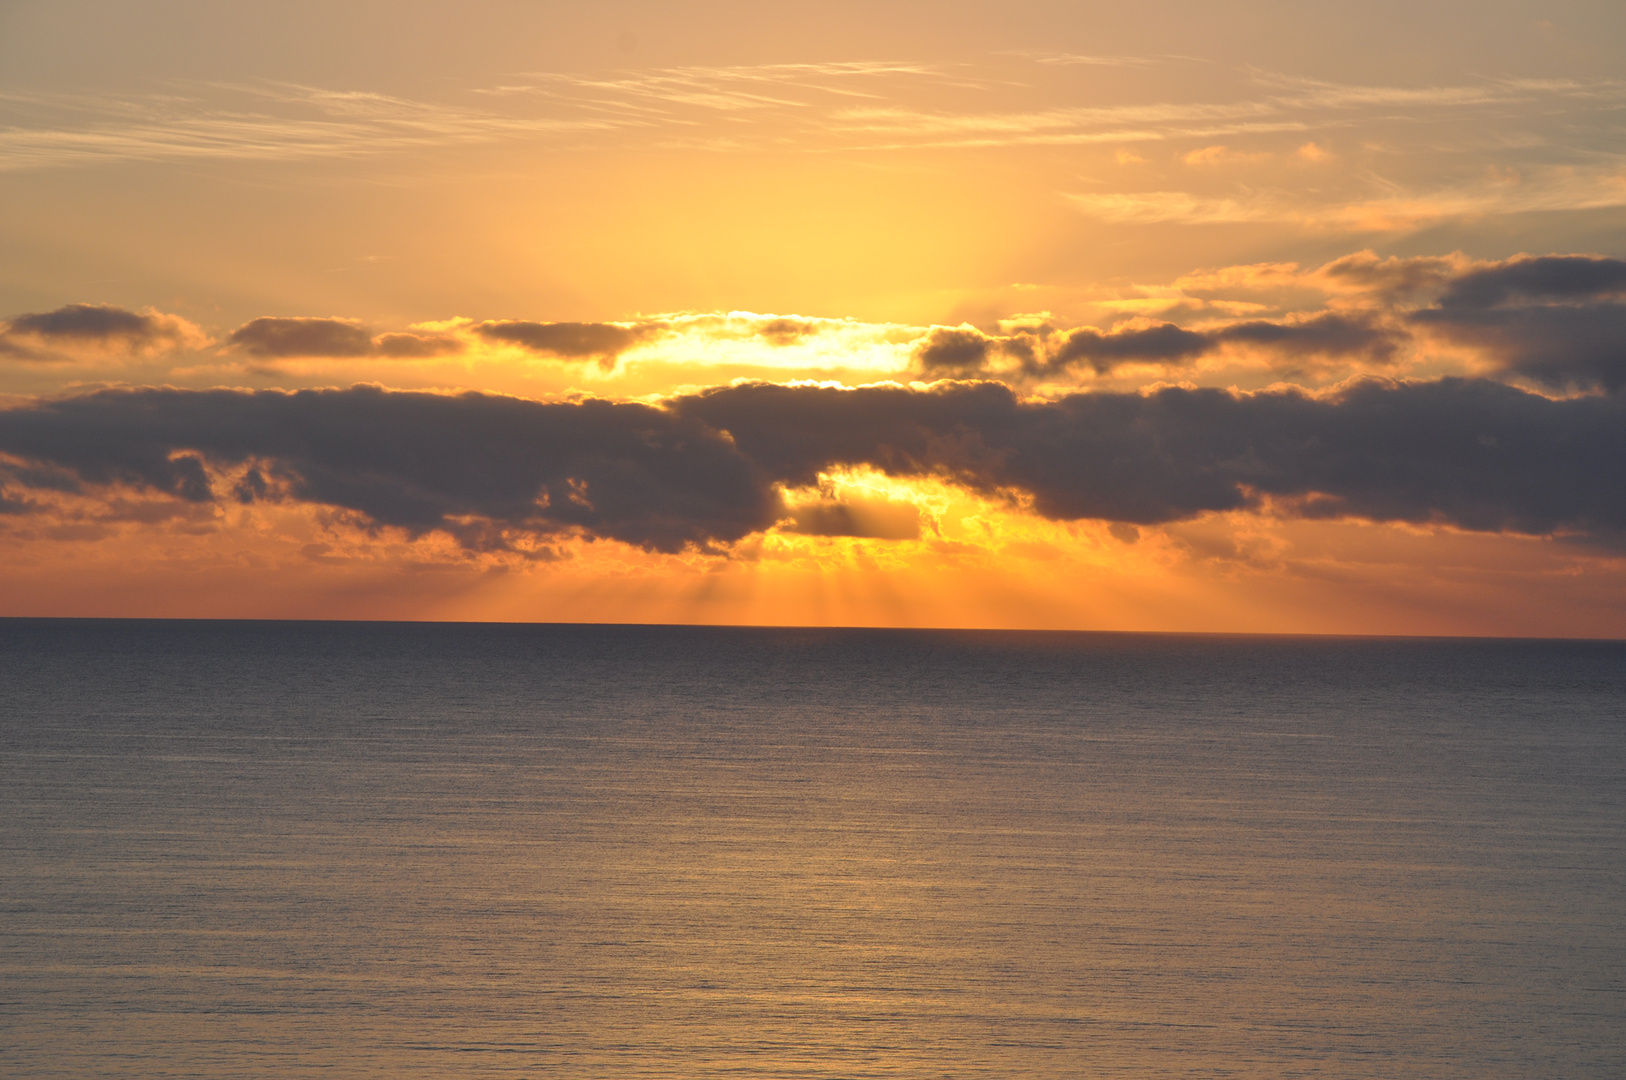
x=708, y=468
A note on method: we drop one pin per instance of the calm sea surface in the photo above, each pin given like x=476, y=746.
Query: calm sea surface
x=284, y=849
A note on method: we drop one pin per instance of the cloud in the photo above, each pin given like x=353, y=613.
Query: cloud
x=279, y=121
x=1470, y=453
x=603, y=342
x=1562, y=347
x=403, y=346
x=81, y=331
x=1557, y=320
x=1544, y=189
x=906, y=105
x=1392, y=280
x=471, y=465
x=787, y=331
x=965, y=351
x=1220, y=154
x=955, y=351
x=710, y=468
x=1183, y=207
x=1164, y=343
x=271, y=338
x=876, y=518
x=1547, y=277
x=1328, y=334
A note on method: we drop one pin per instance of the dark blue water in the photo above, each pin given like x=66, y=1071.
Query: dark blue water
x=281, y=849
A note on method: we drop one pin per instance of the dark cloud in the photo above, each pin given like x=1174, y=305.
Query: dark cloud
x=1525, y=277
x=955, y=351
x=1566, y=347
x=12, y=505
x=963, y=351
x=571, y=340
x=1552, y=319
x=418, y=461
x=1165, y=343
x=1476, y=454
x=68, y=330
x=1471, y=453
x=1559, y=320
x=85, y=321
x=787, y=331
x=272, y=338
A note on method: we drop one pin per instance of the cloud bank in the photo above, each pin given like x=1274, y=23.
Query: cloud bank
x=712, y=468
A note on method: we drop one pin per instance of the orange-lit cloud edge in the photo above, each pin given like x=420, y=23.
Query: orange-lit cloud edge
x=1422, y=445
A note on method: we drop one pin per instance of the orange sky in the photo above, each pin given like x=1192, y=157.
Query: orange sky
x=1389, y=239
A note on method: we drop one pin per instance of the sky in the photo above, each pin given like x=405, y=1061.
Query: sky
x=1233, y=317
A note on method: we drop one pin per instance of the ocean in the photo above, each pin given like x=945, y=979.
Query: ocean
x=276, y=849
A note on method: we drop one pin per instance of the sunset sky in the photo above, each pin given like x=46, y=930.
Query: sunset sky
x=1254, y=317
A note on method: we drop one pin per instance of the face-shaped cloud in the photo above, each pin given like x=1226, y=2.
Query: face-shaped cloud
x=710, y=467
x=81, y=331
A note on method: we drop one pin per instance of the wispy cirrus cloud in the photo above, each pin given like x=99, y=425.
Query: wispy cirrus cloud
x=1504, y=192
x=861, y=105
x=721, y=89
x=246, y=123
x=1259, y=103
